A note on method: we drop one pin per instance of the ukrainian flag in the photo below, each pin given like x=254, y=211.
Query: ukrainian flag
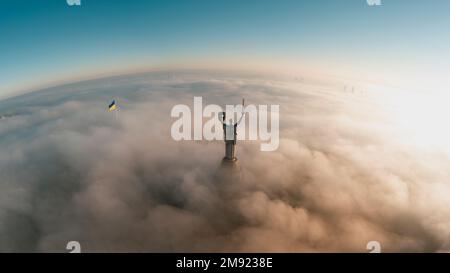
x=112, y=106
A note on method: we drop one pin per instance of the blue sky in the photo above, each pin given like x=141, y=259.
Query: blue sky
x=46, y=41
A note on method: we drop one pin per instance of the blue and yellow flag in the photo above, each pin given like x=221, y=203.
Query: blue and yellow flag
x=112, y=106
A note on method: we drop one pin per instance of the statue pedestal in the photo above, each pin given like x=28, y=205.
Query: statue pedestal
x=229, y=170
x=228, y=179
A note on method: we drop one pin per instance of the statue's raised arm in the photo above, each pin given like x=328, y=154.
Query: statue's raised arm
x=242, y=114
x=221, y=117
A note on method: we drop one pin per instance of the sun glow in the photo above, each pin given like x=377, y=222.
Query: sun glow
x=420, y=118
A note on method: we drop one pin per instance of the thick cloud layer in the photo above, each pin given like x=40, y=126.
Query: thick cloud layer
x=342, y=176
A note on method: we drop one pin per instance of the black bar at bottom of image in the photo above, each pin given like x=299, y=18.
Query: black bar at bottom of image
x=205, y=262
